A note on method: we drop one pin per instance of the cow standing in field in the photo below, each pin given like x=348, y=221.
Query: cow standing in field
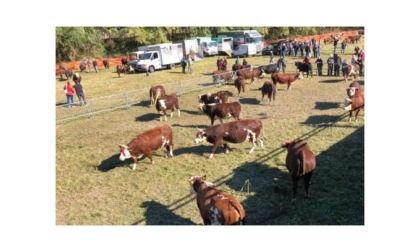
x=221, y=110
x=82, y=66
x=155, y=93
x=219, y=97
x=240, y=84
x=232, y=132
x=147, y=142
x=250, y=74
x=270, y=90
x=224, y=75
x=268, y=69
x=106, y=64
x=216, y=207
x=300, y=162
x=288, y=79
x=353, y=87
x=350, y=70
x=304, y=68
x=355, y=104
x=124, y=69
x=167, y=102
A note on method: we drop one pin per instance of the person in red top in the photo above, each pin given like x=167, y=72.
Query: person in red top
x=306, y=60
x=69, y=90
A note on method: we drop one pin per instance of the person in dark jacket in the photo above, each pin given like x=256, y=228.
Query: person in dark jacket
x=337, y=64
x=79, y=92
x=319, y=64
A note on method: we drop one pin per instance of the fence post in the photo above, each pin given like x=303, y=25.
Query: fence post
x=180, y=92
x=89, y=109
x=219, y=84
x=127, y=106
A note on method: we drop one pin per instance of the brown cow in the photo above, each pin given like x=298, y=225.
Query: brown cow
x=240, y=84
x=355, y=104
x=236, y=67
x=221, y=110
x=155, y=93
x=147, y=142
x=167, y=102
x=300, y=161
x=222, y=75
x=353, y=87
x=250, y=74
x=124, y=69
x=232, y=132
x=219, y=97
x=288, y=79
x=270, y=90
x=216, y=207
x=351, y=70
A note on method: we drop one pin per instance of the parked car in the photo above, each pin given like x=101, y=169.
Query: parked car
x=273, y=47
x=245, y=50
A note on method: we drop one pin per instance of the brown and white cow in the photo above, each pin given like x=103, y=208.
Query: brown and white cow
x=240, y=84
x=147, y=142
x=219, y=97
x=351, y=70
x=216, y=206
x=270, y=90
x=232, y=132
x=355, y=104
x=353, y=87
x=288, y=79
x=167, y=102
x=224, y=75
x=124, y=69
x=250, y=74
x=221, y=110
x=300, y=162
x=155, y=93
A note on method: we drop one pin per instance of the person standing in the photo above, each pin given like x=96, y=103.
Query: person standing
x=237, y=60
x=190, y=64
x=271, y=58
x=343, y=46
x=69, y=91
x=183, y=64
x=361, y=60
x=337, y=65
x=330, y=62
x=88, y=63
x=319, y=65
x=79, y=92
x=95, y=65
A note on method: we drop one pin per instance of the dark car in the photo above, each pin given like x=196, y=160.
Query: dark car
x=273, y=47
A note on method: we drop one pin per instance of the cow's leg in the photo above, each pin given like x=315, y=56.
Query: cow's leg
x=148, y=154
x=351, y=114
x=288, y=86
x=135, y=163
x=307, y=178
x=213, y=149
x=169, y=152
x=226, y=147
x=212, y=120
x=357, y=112
x=261, y=142
x=179, y=112
x=252, y=137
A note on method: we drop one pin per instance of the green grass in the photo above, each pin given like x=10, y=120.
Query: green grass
x=94, y=188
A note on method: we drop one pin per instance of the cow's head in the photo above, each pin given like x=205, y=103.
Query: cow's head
x=200, y=136
x=351, y=91
x=201, y=107
x=300, y=77
x=197, y=180
x=347, y=104
x=124, y=152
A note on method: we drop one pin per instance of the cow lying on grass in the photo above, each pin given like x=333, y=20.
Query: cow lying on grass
x=216, y=207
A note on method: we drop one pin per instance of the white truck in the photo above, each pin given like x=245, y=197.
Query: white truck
x=224, y=45
x=154, y=57
x=207, y=46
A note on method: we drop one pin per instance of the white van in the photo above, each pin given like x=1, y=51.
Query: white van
x=245, y=50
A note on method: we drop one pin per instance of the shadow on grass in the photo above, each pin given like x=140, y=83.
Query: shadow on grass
x=250, y=101
x=180, y=72
x=113, y=162
x=60, y=103
x=327, y=105
x=323, y=119
x=201, y=126
x=158, y=214
x=339, y=79
x=192, y=112
x=199, y=150
x=142, y=104
x=148, y=117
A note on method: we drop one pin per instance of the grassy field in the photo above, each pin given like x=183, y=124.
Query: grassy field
x=94, y=188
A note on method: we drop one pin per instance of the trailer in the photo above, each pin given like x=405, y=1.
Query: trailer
x=207, y=46
x=154, y=57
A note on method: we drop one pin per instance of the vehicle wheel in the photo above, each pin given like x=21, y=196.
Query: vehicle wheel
x=151, y=69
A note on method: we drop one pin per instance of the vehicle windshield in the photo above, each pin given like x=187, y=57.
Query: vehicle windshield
x=210, y=44
x=257, y=40
x=145, y=56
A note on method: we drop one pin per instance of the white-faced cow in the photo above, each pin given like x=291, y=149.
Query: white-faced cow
x=219, y=97
x=147, y=142
x=353, y=87
x=224, y=75
x=155, y=93
x=216, y=206
x=232, y=132
x=300, y=161
x=270, y=90
x=351, y=70
x=250, y=74
x=288, y=79
x=221, y=110
x=355, y=104
x=167, y=102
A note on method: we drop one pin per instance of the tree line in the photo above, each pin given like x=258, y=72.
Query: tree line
x=77, y=43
